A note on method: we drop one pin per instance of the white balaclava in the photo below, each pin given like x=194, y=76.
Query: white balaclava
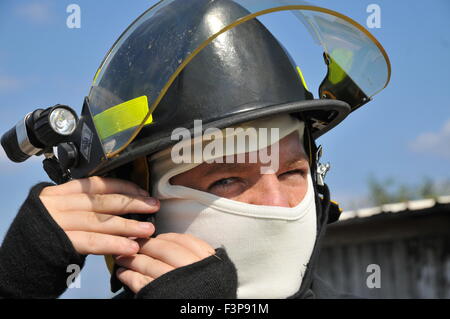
x=270, y=246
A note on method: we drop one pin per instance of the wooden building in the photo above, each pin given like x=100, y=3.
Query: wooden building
x=394, y=251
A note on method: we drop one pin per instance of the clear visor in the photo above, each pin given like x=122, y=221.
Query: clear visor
x=358, y=66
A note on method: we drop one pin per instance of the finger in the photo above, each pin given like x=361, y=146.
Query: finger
x=199, y=247
x=103, y=223
x=133, y=280
x=167, y=252
x=95, y=185
x=114, y=204
x=145, y=265
x=87, y=243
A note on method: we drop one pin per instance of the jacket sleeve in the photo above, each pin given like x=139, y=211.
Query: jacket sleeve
x=36, y=253
x=214, y=277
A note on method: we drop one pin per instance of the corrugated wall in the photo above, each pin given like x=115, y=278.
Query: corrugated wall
x=413, y=255
x=410, y=268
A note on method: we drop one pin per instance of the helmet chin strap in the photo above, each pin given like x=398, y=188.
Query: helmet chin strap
x=327, y=211
x=323, y=212
x=330, y=209
x=138, y=173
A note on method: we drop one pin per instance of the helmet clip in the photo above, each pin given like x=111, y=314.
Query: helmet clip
x=322, y=169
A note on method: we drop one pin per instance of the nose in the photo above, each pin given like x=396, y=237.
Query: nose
x=268, y=191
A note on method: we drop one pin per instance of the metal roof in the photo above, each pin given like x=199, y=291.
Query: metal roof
x=395, y=207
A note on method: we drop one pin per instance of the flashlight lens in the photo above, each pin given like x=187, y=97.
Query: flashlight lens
x=63, y=121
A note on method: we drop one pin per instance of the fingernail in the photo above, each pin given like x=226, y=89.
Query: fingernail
x=143, y=192
x=151, y=201
x=134, y=245
x=146, y=226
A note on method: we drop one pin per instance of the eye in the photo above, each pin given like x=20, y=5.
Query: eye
x=293, y=178
x=224, y=182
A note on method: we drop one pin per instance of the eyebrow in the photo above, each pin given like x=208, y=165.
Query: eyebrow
x=298, y=160
x=226, y=167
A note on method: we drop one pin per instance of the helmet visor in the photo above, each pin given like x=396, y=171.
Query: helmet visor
x=358, y=66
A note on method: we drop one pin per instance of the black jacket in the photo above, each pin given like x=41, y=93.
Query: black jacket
x=36, y=252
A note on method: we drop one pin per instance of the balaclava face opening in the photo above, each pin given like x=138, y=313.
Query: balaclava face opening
x=269, y=245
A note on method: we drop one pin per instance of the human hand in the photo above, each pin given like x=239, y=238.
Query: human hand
x=158, y=256
x=89, y=210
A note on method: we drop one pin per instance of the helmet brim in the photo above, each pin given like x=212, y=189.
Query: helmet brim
x=336, y=110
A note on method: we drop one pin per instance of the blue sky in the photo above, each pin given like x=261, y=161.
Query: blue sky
x=403, y=133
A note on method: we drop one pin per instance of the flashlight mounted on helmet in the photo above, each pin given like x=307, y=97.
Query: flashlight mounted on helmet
x=39, y=131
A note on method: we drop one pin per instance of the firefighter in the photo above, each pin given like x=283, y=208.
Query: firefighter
x=176, y=210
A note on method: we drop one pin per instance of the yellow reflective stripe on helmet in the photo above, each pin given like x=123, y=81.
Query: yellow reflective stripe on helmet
x=301, y=77
x=122, y=117
x=96, y=76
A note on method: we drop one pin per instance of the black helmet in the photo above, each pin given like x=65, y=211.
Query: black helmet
x=212, y=60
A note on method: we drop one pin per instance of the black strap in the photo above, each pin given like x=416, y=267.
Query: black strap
x=54, y=170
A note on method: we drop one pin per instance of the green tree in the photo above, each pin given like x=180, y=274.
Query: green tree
x=389, y=191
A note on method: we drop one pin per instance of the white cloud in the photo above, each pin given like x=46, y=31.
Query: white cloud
x=36, y=12
x=436, y=143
